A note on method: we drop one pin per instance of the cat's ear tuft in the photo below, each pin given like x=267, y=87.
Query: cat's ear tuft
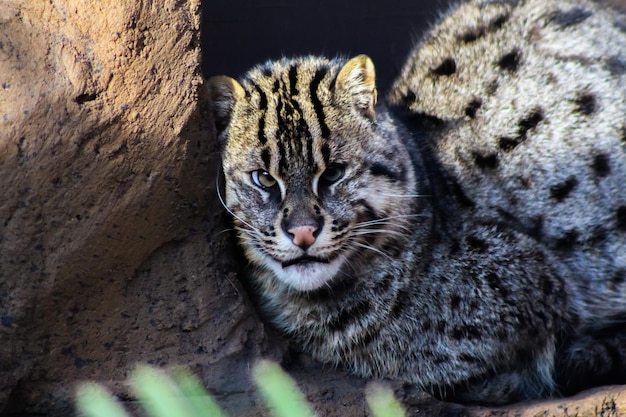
x=223, y=93
x=357, y=79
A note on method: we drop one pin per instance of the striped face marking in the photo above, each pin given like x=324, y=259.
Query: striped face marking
x=307, y=168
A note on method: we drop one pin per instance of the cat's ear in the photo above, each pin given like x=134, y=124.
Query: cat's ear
x=357, y=79
x=223, y=93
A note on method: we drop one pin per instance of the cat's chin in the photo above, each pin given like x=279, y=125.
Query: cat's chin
x=307, y=276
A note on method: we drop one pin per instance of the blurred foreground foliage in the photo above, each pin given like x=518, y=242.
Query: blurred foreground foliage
x=182, y=395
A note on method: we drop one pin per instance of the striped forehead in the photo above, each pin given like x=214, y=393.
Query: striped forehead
x=290, y=100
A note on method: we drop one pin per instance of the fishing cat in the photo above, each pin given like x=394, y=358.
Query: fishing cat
x=470, y=240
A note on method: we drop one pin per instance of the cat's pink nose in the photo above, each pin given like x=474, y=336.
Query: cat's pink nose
x=303, y=236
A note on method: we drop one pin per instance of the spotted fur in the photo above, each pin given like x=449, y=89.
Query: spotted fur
x=475, y=254
x=531, y=124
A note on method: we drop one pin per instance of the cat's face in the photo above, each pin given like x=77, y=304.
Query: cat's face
x=316, y=182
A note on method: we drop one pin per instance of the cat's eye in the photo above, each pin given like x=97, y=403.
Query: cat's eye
x=263, y=179
x=333, y=173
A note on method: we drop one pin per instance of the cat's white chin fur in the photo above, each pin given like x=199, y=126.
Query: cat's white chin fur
x=309, y=276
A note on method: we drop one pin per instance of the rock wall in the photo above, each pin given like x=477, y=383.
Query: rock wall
x=108, y=253
x=112, y=242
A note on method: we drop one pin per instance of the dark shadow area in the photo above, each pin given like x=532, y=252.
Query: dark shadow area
x=239, y=34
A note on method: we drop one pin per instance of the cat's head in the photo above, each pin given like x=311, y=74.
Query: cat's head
x=316, y=180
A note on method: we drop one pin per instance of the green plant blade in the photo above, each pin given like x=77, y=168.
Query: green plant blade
x=93, y=400
x=382, y=402
x=279, y=391
x=202, y=403
x=159, y=394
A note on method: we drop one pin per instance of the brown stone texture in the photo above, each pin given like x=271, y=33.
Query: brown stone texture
x=111, y=245
x=114, y=248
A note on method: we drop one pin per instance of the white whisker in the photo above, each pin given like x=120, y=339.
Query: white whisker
x=400, y=216
x=361, y=232
x=361, y=245
x=380, y=223
x=228, y=230
x=247, y=238
x=367, y=225
x=405, y=195
x=219, y=195
x=252, y=233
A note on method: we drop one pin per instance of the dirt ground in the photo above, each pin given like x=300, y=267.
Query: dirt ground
x=114, y=249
